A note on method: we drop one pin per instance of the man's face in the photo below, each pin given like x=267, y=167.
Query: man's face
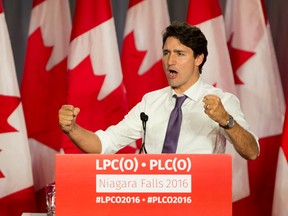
x=180, y=66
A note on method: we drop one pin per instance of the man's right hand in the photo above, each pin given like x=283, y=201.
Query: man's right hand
x=67, y=117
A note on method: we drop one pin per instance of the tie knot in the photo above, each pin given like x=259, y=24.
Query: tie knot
x=179, y=100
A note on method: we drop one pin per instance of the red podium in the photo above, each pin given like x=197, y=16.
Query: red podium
x=151, y=184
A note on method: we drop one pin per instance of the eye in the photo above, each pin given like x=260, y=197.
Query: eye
x=165, y=53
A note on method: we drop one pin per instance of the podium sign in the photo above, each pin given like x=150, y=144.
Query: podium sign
x=152, y=184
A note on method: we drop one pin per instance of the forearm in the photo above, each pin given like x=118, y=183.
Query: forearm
x=244, y=142
x=85, y=140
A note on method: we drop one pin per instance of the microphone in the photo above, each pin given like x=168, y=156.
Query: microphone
x=144, y=119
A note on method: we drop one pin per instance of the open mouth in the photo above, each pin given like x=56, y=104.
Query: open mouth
x=172, y=74
x=172, y=71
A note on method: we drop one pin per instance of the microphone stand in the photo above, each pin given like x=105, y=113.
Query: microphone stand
x=144, y=119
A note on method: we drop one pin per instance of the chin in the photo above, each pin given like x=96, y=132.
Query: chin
x=174, y=87
x=173, y=84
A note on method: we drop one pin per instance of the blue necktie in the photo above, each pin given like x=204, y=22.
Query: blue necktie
x=174, y=125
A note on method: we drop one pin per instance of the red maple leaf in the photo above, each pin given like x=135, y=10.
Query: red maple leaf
x=43, y=92
x=132, y=3
x=83, y=90
x=8, y=105
x=137, y=85
x=238, y=57
x=1, y=175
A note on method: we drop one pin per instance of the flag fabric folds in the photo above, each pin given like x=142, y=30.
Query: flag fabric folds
x=43, y=86
x=207, y=15
x=280, y=206
x=259, y=89
x=95, y=82
x=141, y=54
x=16, y=182
x=81, y=65
x=217, y=71
x=142, y=48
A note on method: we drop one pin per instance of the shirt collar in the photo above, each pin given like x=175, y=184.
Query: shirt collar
x=194, y=92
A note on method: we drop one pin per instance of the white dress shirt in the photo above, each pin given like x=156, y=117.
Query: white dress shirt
x=199, y=134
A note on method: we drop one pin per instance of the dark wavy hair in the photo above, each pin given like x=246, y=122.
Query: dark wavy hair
x=190, y=36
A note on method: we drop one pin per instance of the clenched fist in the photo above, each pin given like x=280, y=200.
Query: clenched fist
x=67, y=117
x=214, y=108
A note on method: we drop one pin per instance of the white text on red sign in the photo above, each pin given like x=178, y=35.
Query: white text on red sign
x=124, y=164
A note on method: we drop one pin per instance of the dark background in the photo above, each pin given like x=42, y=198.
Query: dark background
x=17, y=14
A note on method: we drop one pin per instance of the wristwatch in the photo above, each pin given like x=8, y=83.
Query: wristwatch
x=229, y=124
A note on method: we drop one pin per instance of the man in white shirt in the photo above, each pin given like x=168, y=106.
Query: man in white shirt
x=209, y=115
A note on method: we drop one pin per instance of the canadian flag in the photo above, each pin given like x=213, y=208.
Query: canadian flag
x=141, y=48
x=16, y=182
x=95, y=75
x=43, y=86
x=207, y=15
x=217, y=71
x=280, y=207
x=259, y=89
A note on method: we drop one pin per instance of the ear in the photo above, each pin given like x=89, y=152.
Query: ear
x=199, y=59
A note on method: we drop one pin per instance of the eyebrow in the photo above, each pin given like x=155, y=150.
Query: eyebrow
x=175, y=50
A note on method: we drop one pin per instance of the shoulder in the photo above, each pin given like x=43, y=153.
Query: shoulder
x=225, y=96
x=152, y=101
x=158, y=93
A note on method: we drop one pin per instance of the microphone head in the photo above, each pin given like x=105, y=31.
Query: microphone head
x=143, y=116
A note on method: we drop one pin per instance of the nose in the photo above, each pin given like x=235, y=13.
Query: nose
x=171, y=59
